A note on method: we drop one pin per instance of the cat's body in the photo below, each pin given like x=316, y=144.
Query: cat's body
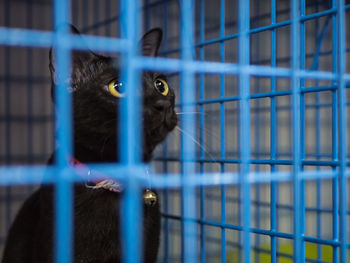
x=96, y=228
x=96, y=211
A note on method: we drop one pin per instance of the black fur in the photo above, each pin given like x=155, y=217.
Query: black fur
x=96, y=212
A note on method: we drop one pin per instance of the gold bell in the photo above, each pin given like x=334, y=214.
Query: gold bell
x=150, y=198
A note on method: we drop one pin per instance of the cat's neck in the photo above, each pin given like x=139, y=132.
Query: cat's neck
x=86, y=155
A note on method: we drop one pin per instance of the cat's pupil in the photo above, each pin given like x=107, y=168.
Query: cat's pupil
x=118, y=86
x=160, y=86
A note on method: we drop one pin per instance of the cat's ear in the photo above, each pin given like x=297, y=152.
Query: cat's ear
x=79, y=57
x=150, y=42
x=52, y=64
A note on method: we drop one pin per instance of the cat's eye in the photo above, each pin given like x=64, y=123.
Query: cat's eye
x=161, y=86
x=115, y=88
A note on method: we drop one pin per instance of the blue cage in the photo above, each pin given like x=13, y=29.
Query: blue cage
x=256, y=171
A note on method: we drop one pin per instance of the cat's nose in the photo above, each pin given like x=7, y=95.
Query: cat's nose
x=162, y=105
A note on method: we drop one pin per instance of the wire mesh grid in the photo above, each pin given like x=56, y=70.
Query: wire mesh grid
x=257, y=171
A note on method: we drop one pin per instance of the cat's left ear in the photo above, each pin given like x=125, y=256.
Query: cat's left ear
x=78, y=59
x=150, y=42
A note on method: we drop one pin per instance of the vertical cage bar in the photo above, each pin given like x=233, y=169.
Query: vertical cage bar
x=130, y=123
x=341, y=55
x=187, y=122
x=302, y=125
x=165, y=150
x=335, y=139
x=257, y=132
x=273, y=190
x=202, y=127
x=64, y=245
x=295, y=33
x=63, y=101
x=244, y=84
x=130, y=106
x=222, y=131
x=318, y=152
x=64, y=133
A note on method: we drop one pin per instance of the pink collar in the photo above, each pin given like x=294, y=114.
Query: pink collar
x=149, y=197
x=108, y=184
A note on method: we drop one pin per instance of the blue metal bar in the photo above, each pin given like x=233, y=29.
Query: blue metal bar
x=18, y=37
x=244, y=51
x=335, y=133
x=256, y=161
x=64, y=220
x=44, y=39
x=230, y=68
x=341, y=69
x=130, y=107
x=35, y=174
x=165, y=150
x=202, y=123
x=63, y=193
x=257, y=133
x=318, y=142
x=130, y=123
x=187, y=122
x=302, y=120
x=273, y=124
x=295, y=51
x=166, y=209
x=222, y=131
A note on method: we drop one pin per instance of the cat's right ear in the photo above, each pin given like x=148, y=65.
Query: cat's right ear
x=150, y=42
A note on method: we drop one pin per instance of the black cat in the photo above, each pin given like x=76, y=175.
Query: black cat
x=96, y=91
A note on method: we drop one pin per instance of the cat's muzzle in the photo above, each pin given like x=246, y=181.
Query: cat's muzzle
x=170, y=119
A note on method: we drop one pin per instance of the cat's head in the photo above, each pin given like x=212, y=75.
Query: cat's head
x=97, y=91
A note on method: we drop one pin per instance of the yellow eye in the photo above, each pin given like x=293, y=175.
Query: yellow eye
x=116, y=89
x=161, y=86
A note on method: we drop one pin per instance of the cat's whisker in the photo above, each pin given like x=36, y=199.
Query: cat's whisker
x=209, y=132
x=196, y=142
x=190, y=112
